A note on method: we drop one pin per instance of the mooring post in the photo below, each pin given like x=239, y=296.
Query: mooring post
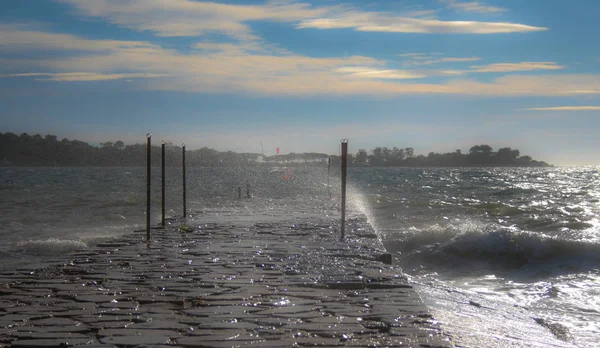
x=162, y=210
x=183, y=170
x=328, y=174
x=148, y=185
x=344, y=170
x=248, y=190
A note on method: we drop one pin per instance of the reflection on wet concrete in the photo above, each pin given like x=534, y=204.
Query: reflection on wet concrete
x=216, y=284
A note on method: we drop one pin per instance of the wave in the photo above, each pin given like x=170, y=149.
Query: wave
x=475, y=247
x=51, y=246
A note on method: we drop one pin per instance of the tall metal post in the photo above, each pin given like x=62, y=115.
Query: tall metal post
x=344, y=170
x=148, y=185
x=183, y=170
x=163, y=145
x=328, y=175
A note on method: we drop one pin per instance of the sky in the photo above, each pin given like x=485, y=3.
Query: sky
x=252, y=76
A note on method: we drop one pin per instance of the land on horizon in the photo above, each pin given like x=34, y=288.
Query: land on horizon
x=38, y=150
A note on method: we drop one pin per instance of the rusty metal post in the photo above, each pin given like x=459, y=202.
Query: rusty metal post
x=344, y=171
x=148, y=185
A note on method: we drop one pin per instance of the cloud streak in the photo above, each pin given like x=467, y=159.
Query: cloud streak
x=566, y=108
x=384, y=22
x=511, y=67
x=84, y=76
x=379, y=74
x=473, y=6
x=249, y=69
x=18, y=37
x=193, y=18
x=423, y=60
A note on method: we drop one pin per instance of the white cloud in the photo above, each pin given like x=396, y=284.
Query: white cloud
x=445, y=72
x=379, y=74
x=522, y=66
x=17, y=37
x=385, y=22
x=242, y=69
x=473, y=6
x=193, y=18
x=567, y=108
x=529, y=85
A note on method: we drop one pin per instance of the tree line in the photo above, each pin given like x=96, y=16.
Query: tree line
x=37, y=150
x=479, y=155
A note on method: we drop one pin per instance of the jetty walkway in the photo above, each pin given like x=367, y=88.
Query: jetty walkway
x=220, y=285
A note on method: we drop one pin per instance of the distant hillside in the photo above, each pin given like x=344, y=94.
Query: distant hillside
x=37, y=150
x=478, y=156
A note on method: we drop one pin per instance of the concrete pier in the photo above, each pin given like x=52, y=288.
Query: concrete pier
x=279, y=284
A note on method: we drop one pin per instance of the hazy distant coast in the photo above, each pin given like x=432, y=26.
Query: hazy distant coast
x=37, y=150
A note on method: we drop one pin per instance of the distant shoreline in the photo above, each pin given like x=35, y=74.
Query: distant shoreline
x=47, y=151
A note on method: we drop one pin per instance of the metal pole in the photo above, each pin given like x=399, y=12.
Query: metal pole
x=183, y=168
x=148, y=186
x=344, y=170
x=328, y=174
x=239, y=192
x=248, y=190
x=162, y=222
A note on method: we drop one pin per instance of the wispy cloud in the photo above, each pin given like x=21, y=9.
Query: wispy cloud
x=522, y=66
x=567, y=108
x=455, y=60
x=239, y=68
x=472, y=6
x=193, y=18
x=385, y=22
x=19, y=37
x=423, y=60
x=379, y=74
x=84, y=76
x=418, y=56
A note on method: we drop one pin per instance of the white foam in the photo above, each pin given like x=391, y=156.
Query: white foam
x=50, y=246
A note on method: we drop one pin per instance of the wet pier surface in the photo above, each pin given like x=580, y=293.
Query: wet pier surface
x=220, y=285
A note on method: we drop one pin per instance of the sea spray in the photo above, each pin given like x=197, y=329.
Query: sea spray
x=360, y=203
x=49, y=247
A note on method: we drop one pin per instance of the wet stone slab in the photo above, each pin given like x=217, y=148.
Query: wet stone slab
x=263, y=284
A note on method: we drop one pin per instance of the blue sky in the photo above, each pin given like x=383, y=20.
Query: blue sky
x=436, y=75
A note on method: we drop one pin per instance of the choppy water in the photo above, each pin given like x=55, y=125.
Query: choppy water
x=522, y=241
x=503, y=256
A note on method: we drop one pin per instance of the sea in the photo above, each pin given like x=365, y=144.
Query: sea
x=502, y=257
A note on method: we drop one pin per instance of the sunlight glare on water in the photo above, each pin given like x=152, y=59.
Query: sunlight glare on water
x=523, y=241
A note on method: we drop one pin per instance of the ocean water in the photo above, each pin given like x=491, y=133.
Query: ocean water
x=502, y=256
